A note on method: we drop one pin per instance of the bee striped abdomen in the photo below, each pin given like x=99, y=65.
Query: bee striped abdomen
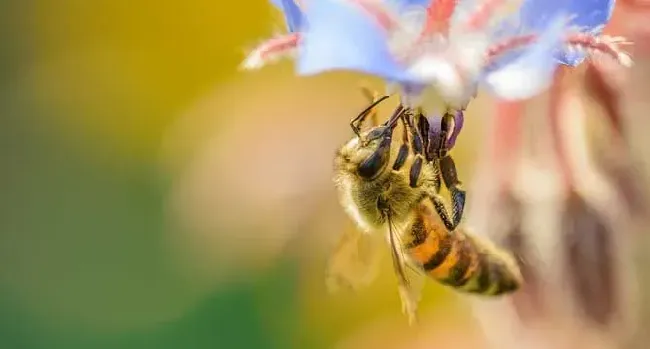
x=460, y=260
x=498, y=274
x=466, y=266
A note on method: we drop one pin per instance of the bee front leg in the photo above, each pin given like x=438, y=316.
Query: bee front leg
x=437, y=178
x=417, y=145
x=416, y=169
x=403, y=152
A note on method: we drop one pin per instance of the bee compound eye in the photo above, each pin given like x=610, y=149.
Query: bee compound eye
x=376, y=162
x=370, y=167
x=376, y=133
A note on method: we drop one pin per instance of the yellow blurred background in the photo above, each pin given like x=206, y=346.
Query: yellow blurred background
x=153, y=196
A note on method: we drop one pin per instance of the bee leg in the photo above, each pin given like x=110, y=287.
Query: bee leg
x=446, y=168
x=422, y=129
x=403, y=152
x=417, y=145
x=446, y=126
x=416, y=169
x=417, y=142
x=455, y=186
x=439, y=205
x=437, y=179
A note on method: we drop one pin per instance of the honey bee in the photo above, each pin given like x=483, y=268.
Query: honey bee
x=401, y=201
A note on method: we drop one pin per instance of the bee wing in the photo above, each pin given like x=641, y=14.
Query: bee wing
x=410, y=278
x=411, y=291
x=354, y=262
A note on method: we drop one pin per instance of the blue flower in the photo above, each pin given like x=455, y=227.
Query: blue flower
x=340, y=35
x=454, y=48
x=292, y=13
x=590, y=17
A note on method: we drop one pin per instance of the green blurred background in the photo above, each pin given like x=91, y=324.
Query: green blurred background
x=155, y=197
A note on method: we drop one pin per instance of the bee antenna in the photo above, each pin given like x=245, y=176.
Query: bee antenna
x=356, y=121
x=397, y=114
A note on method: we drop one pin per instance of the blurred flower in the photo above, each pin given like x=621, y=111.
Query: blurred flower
x=564, y=199
x=629, y=90
x=454, y=46
x=239, y=200
x=632, y=22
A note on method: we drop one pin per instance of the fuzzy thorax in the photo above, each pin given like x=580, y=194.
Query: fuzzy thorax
x=361, y=197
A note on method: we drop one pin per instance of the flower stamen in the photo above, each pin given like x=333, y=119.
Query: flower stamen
x=482, y=15
x=605, y=44
x=589, y=43
x=271, y=50
x=512, y=43
x=439, y=13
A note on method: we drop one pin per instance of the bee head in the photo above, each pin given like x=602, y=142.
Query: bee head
x=367, y=155
x=375, y=147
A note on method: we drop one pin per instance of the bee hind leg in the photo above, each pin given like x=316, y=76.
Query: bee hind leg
x=441, y=209
x=447, y=168
x=455, y=186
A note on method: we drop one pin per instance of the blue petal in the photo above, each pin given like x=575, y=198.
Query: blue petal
x=403, y=4
x=292, y=13
x=588, y=15
x=533, y=71
x=339, y=36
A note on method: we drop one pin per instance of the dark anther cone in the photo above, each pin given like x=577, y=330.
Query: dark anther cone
x=528, y=300
x=590, y=264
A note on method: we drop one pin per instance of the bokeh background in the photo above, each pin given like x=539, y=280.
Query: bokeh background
x=153, y=196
